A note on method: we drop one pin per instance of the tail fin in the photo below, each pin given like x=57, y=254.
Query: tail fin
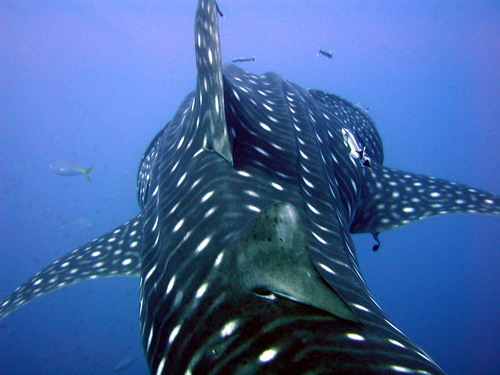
x=86, y=172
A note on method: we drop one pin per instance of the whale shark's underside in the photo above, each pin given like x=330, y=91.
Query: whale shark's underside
x=248, y=200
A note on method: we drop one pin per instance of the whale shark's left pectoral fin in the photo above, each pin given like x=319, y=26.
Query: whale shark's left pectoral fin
x=392, y=198
x=116, y=253
x=273, y=261
x=209, y=98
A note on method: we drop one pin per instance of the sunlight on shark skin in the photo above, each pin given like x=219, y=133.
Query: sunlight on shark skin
x=243, y=243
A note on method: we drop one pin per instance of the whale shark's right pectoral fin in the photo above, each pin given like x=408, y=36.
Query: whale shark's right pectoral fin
x=116, y=253
x=273, y=259
x=393, y=198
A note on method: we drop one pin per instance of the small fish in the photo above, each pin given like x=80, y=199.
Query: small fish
x=243, y=59
x=328, y=54
x=80, y=223
x=356, y=152
x=70, y=168
x=125, y=363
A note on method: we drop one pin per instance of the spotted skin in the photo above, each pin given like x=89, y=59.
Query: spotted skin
x=248, y=199
x=116, y=253
x=398, y=198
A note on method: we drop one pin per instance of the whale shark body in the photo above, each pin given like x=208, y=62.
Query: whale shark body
x=248, y=200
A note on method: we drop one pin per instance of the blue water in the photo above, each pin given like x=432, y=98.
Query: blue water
x=93, y=83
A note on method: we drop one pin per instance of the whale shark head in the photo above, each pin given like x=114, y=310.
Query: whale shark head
x=249, y=198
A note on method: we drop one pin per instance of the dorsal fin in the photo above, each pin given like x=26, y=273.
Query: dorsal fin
x=209, y=98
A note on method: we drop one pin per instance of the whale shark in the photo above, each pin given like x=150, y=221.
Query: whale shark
x=249, y=198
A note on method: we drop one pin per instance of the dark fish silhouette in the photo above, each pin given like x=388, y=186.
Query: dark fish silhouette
x=328, y=54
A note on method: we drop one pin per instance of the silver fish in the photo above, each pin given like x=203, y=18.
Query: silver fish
x=70, y=168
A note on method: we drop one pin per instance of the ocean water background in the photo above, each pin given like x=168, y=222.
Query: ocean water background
x=94, y=81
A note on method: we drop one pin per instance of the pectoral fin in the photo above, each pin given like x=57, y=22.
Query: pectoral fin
x=117, y=253
x=393, y=198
